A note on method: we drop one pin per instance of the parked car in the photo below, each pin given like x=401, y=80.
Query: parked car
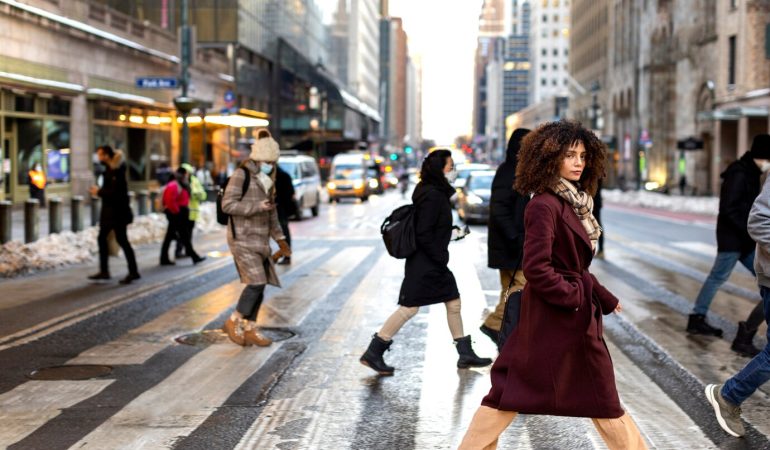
x=473, y=198
x=306, y=179
x=348, y=177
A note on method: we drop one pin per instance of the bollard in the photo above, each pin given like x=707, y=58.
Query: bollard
x=76, y=213
x=5, y=221
x=96, y=210
x=31, y=221
x=141, y=199
x=54, y=215
x=154, y=201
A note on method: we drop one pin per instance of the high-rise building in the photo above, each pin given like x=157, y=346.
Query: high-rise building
x=516, y=77
x=414, y=102
x=589, y=61
x=549, y=49
x=490, y=49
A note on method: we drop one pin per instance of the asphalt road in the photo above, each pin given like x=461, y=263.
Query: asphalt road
x=308, y=390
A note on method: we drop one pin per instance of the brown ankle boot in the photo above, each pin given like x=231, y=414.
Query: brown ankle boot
x=234, y=331
x=254, y=337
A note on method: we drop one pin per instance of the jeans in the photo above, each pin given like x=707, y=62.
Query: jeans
x=250, y=301
x=723, y=266
x=178, y=228
x=757, y=371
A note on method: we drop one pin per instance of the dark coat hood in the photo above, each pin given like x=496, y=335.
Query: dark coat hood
x=514, y=145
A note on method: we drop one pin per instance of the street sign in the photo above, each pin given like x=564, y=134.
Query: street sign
x=157, y=83
x=229, y=98
x=689, y=144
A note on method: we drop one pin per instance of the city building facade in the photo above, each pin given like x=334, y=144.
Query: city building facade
x=549, y=49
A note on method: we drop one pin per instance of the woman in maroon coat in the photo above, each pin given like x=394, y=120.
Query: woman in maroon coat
x=556, y=362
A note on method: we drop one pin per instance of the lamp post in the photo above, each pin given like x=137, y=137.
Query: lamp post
x=184, y=103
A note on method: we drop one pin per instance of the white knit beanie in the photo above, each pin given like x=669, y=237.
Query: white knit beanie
x=265, y=149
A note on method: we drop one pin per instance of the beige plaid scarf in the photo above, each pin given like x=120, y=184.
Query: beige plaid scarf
x=583, y=205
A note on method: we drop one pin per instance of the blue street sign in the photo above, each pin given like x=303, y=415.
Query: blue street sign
x=157, y=83
x=229, y=98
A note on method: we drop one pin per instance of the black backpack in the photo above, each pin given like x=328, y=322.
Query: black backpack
x=222, y=217
x=398, y=232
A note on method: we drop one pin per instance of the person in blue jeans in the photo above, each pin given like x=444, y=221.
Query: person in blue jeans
x=740, y=187
x=726, y=399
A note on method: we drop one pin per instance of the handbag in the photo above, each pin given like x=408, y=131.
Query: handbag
x=510, y=314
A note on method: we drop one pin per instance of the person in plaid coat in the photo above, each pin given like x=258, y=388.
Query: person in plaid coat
x=254, y=221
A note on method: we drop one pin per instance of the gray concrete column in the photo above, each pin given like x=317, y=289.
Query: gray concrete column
x=716, y=161
x=54, y=215
x=743, y=135
x=76, y=213
x=31, y=220
x=6, y=224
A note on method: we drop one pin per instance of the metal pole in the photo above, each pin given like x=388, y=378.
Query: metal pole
x=76, y=213
x=54, y=215
x=31, y=221
x=185, y=78
x=6, y=225
x=154, y=201
x=141, y=198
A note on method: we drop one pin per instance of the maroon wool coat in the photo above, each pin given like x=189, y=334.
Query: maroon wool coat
x=556, y=362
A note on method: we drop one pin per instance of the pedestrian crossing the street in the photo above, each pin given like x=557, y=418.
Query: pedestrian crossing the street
x=310, y=392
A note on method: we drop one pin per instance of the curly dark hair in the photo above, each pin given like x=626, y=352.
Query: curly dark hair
x=544, y=149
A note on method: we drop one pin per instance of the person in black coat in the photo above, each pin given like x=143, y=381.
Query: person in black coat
x=115, y=214
x=740, y=187
x=505, y=240
x=286, y=205
x=427, y=278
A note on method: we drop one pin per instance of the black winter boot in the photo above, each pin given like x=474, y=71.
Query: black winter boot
x=744, y=341
x=490, y=333
x=373, y=356
x=698, y=325
x=469, y=358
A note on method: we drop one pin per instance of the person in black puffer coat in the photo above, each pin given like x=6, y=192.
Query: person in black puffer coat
x=505, y=240
x=427, y=279
x=740, y=187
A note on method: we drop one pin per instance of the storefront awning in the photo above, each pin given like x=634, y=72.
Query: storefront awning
x=732, y=113
x=243, y=118
x=41, y=83
x=122, y=96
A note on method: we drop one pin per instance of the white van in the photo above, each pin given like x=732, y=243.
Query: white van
x=306, y=179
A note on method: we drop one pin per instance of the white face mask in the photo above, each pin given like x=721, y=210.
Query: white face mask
x=266, y=168
x=765, y=166
x=451, y=176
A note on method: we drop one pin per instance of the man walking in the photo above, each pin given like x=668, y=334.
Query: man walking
x=740, y=187
x=505, y=242
x=726, y=399
x=115, y=214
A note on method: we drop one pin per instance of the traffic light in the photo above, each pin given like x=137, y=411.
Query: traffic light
x=393, y=157
x=408, y=150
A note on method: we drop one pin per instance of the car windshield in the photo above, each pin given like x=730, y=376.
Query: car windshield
x=480, y=182
x=291, y=168
x=465, y=172
x=348, y=172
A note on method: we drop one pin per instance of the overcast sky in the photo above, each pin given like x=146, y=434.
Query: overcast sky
x=444, y=33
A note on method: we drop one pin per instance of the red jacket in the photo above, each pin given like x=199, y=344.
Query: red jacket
x=175, y=198
x=556, y=362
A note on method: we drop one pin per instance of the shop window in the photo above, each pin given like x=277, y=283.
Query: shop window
x=57, y=151
x=159, y=143
x=24, y=103
x=115, y=137
x=30, y=147
x=58, y=107
x=136, y=156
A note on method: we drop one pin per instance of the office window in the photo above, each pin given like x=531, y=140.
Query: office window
x=543, y=82
x=554, y=82
x=555, y=67
x=545, y=18
x=544, y=52
x=555, y=52
x=731, y=60
x=544, y=66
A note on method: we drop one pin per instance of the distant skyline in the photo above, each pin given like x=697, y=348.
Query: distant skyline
x=444, y=33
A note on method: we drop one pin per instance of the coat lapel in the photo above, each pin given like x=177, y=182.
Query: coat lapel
x=571, y=219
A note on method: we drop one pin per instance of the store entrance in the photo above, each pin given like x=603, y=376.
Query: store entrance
x=7, y=153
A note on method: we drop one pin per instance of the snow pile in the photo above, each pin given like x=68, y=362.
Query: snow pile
x=67, y=248
x=676, y=203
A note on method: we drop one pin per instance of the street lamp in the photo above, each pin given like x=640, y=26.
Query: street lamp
x=184, y=105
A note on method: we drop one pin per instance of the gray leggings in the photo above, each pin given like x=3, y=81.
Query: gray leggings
x=250, y=301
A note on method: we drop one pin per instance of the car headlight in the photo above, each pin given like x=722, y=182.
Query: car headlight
x=331, y=185
x=373, y=184
x=358, y=185
x=474, y=199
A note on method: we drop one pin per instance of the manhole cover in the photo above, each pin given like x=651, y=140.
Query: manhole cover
x=73, y=372
x=207, y=337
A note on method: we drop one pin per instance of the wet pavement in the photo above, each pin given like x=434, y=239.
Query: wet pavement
x=177, y=383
